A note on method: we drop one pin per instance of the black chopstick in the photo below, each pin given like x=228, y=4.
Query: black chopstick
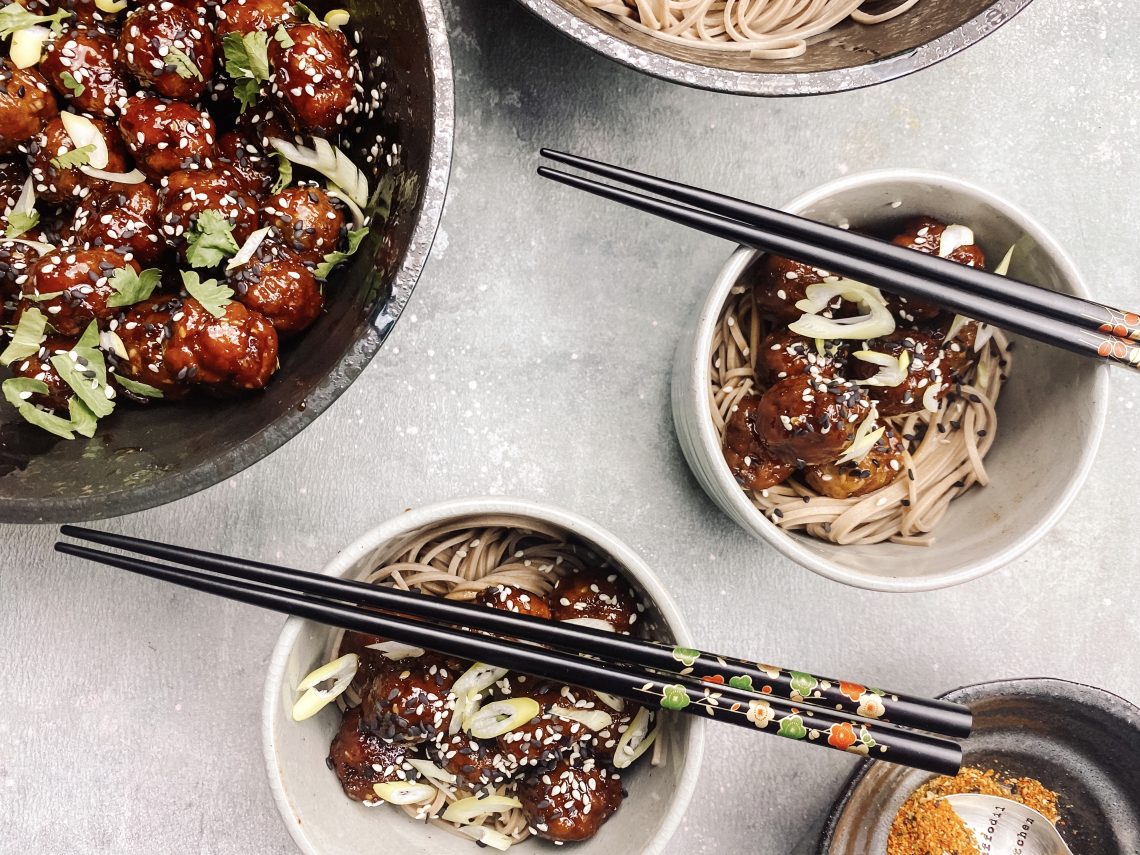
x=797, y=687
x=735, y=706
x=1076, y=310
x=1045, y=328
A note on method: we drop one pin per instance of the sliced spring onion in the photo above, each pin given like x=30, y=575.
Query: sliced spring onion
x=468, y=810
x=1003, y=268
x=404, y=793
x=501, y=717
x=954, y=237
x=111, y=7
x=466, y=689
x=611, y=701
x=38, y=245
x=875, y=321
x=84, y=132
x=397, y=650
x=592, y=623
x=431, y=771
x=488, y=837
x=595, y=720
x=337, y=18
x=636, y=740
x=110, y=342
x=930, y=398
x=315, y=698
x=28, y=46
x=358, y=218
x=955, y=327
x=892, y=371
x=132, y=177
x=246, y=250
x=331, y=162
x=865, y=438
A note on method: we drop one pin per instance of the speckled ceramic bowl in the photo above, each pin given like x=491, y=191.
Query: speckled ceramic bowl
x=1082, y=742
x=1050, y=415
x=142, y=457
x=850, y=56
x=323, y=821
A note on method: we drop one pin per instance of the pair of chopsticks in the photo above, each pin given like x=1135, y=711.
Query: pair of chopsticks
x=793, y=704
x=1057, y=319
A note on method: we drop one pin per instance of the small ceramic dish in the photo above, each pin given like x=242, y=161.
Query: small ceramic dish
x=323, y=821
x=1051, y=411
x=1079, y=741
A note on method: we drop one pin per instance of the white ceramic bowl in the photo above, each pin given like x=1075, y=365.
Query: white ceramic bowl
x=1051, y=412
x=323, y=821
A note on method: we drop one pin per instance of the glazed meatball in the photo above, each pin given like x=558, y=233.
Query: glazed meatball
x=924, y=370
x=314, y=79
x=124, y=217
x=248, y=160
x=248, y=16
x=411, y=705
x=361, y=759
x=17, y=261
x=595, y=594
x=570, y=803
x=779, y=283
x=39, y=367
x=958, y=355
x=166, y=136
x=805, y=420
x=26, y=103
x=515, y=600
x=55, y=182
x=188, y=192
x=81, y=67
x=878, y=468
x=82, y=279
x=540, y=743
x=475, y=762
x=925, y=235
x=145, y=330
x=306, y=221
x=282, y=289
x=169, y=49
x=782, y=354
x=751, y=463
x=235, y=351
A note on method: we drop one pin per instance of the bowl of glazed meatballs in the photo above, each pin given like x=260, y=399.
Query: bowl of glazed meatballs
x=883, y=442
x=213, y=213
x=400, y=756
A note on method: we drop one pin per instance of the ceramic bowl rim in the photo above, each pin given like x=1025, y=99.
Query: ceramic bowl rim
x=787, y=543
x=454, y=509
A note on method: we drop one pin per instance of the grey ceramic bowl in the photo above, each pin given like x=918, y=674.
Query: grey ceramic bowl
x=1082, y=742
x=850, y=57
x=145, y=457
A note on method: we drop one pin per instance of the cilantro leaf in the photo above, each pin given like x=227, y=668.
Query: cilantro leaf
x=213, y=297
x=334, y=258
x=182, y=64
x=131, y=287
x=28, y=337
x=83, y=421
x=67, y=79
x=20, y=222
x=75, y=157
x=246, y=91
x=210, y=240
x=86, y=373
x=15, y=17
x=134, y=386
x=282, y=37
x=17, y=391
x=247, y=55
x=303, y=11
x=284, y=173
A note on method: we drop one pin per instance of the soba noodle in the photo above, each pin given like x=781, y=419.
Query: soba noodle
x=944, y=457
x=458, y=564
x=765, y=29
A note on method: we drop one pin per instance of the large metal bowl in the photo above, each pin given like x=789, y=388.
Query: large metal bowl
x=145, y=457
x=850, y=57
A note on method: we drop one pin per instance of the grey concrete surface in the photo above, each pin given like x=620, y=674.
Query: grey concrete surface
x=534, y=361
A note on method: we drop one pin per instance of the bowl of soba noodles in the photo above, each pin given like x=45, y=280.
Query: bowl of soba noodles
x=881, y=442
x=777, y=47
x=372, y=744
